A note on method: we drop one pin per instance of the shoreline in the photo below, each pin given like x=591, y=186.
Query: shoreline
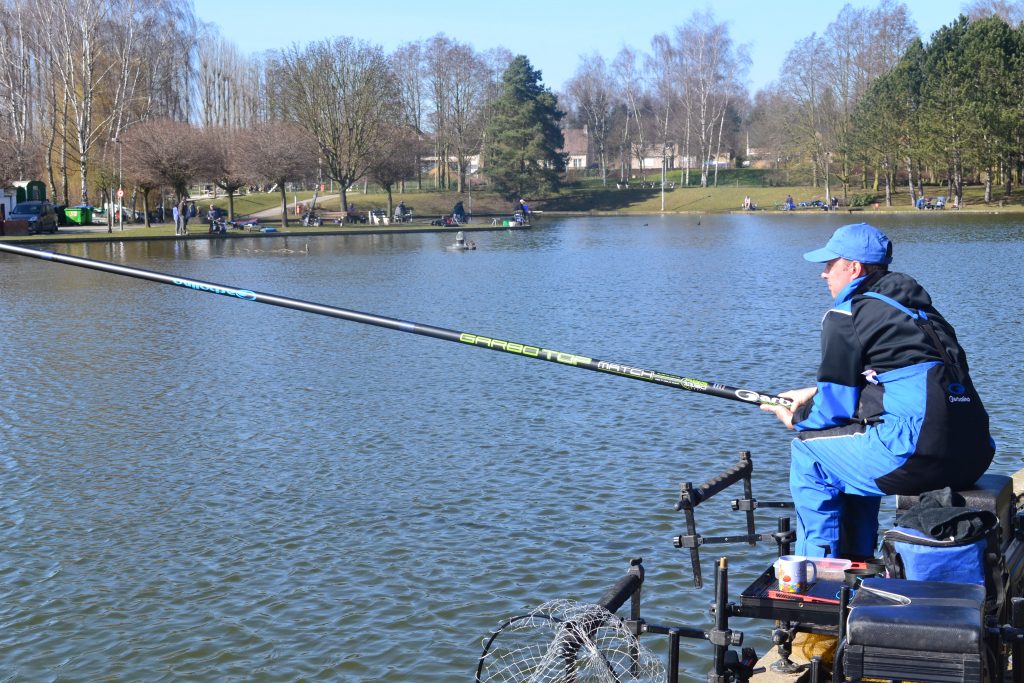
x=99, y=233
x=74, y=235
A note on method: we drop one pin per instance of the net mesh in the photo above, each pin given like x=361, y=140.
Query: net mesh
x=567, y=642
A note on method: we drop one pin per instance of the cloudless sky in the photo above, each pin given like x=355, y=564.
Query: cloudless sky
x=553, y=34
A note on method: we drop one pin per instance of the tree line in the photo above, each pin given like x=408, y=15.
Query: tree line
x=96, y=92
x=893, y=110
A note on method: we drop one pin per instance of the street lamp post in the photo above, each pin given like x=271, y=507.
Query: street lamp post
x=120, y=188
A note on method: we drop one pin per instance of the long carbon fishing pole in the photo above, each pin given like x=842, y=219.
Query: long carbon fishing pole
x=482, y=341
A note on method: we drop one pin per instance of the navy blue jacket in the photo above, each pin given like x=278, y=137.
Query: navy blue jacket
x=893, y=370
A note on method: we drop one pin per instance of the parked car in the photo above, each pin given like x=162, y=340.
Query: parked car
x=41, y=216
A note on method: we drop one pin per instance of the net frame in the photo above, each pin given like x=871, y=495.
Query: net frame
x=563, y=641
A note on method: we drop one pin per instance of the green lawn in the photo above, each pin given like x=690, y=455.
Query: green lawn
x=588, y=195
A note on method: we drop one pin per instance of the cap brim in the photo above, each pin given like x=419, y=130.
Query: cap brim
x=822, y=255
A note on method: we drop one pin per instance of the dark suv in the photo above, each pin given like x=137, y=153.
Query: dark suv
x=41, y=216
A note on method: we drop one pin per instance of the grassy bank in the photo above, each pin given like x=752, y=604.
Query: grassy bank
x=725, y=198
x=594, y=198
x=588, y=198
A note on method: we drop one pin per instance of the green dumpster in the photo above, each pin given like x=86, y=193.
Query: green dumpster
x=79, y=215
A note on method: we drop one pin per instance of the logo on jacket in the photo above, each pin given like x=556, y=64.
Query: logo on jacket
x=958, y=393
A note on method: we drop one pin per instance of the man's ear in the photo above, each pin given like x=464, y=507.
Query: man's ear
x=857, y=268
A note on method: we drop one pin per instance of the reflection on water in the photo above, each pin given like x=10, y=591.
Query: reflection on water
x=197, y=487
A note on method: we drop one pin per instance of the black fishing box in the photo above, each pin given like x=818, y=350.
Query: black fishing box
x=916, y=631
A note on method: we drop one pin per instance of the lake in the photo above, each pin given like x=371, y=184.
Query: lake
x=200, y=488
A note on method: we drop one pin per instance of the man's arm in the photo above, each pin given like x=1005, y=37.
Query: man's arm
x=839, y=376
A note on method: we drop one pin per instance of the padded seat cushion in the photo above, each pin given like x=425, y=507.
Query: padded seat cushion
x=927, y=616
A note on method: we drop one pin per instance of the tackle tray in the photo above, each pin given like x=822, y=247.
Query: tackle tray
x=756, y=603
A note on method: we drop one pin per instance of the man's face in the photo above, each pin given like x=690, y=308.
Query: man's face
x=838, y=273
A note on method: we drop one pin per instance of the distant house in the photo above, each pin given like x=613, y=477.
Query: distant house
x=577, y=144
x=429, y=165
x=723, y=160
x=577, y=151
x=652, y=156
x=652, y=159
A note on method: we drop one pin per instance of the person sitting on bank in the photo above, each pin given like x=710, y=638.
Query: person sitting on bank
x=459, y=213
x=894, y=411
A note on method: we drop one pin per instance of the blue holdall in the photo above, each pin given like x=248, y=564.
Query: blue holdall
x=911, y=554
x=939, y=539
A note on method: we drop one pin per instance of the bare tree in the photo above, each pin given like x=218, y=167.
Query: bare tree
x=396, y=160
x=75, y=41
x=663, y=76
x=226, y=162
x=165, y=153
x=1010, y=11
x=590, y=92
x=630, y=83
x=768, y=124
x=856, y=49
x=409, y=65
x=227, y=82
x=815, y=104
x=343, y=93
x=458, y=82
x=18, y=61
x=168, y=70
x=711, y=69
x=10, y=165
x=277, y=153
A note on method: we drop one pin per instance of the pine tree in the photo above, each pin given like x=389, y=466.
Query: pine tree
x=521, y=150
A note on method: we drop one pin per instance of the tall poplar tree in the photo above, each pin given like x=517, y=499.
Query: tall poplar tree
x=521, y=150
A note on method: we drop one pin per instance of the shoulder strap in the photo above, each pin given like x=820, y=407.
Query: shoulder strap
x=896, y=304
x=926, y=325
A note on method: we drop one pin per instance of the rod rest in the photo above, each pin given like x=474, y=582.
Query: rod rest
x=624, y=588
x=692, y=497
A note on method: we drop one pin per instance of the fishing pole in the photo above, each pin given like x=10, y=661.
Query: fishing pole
x=478, y=340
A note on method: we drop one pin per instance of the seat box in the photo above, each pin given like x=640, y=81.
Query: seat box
x=916, y=631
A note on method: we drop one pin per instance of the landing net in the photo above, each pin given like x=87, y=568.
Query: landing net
x=567, y=642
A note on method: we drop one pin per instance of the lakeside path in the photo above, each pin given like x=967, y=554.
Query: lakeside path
x=275, y=213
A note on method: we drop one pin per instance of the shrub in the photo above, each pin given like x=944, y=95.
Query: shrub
x=863, y=200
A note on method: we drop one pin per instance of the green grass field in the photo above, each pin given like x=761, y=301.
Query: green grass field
x=591, y=197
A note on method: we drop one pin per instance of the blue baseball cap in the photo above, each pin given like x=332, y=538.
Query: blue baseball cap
x=857, y=242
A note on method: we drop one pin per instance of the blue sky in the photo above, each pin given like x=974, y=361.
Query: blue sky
x=554, y=34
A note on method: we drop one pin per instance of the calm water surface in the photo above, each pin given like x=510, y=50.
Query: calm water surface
x=197, y=488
